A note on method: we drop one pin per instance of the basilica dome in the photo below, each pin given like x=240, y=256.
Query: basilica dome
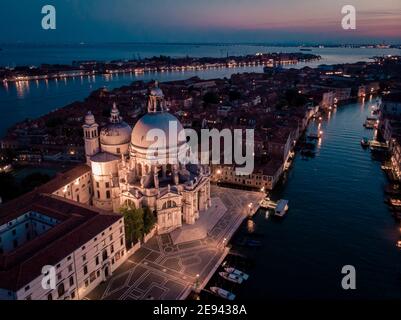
x=159, y=120
x=163, y=121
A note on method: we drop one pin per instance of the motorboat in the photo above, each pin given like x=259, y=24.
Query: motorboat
x=281, y=208
x=223, y=293
x=237, y=272
x=231, y=277
x=365, y=142
x=395, y=202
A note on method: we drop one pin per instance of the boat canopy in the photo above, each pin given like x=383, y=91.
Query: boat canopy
x=281, y=205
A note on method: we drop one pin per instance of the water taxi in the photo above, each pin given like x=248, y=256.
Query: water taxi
x=222, y=293
x=281, y=208
x=237, y=272
x=395, y=202
x=365, y=142
x=315, y=136
x=231, y=277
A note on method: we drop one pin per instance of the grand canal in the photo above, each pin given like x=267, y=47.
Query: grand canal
x=337, y=217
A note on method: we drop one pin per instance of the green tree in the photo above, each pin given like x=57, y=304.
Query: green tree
x=149, y=220
x=134, y=226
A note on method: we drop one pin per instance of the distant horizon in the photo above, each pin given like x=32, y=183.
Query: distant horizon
x=213, y=21
x=251, y=43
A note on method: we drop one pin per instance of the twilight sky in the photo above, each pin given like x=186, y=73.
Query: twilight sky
x=280, y=21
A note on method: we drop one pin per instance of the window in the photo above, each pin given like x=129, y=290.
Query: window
x=108, y=195
x=85, y=270
x=60, y=290
x=104, y=255
x=73, y=295
x=71, y=281
x=84, y=258
x=50, y=296
x=97, y=260
x=122, y=241
x=98, y=194
x=97, y=184
x=118, y=150
x=86, y=283
x=15, y=243
x=59, y=276
x=112, y=249
x=111, y=237
x=107, y=185
x=27, y=288
x=14, y=232
x=70, y=268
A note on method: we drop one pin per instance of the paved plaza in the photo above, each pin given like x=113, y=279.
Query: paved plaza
x=168, y=266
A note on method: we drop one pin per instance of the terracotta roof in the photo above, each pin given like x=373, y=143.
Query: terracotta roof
x=16, y=207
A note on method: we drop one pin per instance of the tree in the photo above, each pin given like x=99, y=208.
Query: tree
x=34, y=180
x=149, y=220
x=210, y=98
x=134, y=227
x=9, y=188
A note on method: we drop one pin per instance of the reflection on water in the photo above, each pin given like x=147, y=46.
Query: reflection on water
x=337, y=217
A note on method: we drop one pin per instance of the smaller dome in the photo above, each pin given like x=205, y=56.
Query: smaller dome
x=89, y=118
x=115, y=134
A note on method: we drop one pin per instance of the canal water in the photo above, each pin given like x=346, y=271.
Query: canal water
x=337, y=217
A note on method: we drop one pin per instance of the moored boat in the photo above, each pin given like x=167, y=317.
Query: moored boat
x=365, y=142
x=223, y=293
x=281, y=208
x=231, y=277
x=237, y=272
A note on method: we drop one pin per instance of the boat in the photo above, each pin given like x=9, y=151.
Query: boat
x=365, y=142
x=223, y=293
x=395, y=202
x=371, y=122
x=315, y=136
x=281, y=208
x=308, y=153
x=237, y=272
x=231, y=277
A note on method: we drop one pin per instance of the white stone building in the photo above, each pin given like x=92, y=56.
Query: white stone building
x=131, y=169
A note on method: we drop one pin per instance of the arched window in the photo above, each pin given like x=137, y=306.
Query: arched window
x=104, y=255
x=60, y=290
x=130, y=204
x=169, y=204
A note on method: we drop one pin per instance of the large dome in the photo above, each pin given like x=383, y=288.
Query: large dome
x=115, y=134
x=160, y=121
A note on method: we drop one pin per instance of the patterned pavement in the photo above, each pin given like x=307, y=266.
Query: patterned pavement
x=162, y=270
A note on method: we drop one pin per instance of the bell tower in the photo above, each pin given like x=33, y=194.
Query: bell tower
x=91, y=136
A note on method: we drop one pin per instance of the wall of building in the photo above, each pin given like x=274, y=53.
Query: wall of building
x=83, y=270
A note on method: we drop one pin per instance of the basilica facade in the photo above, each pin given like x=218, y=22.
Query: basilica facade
x=128, y=169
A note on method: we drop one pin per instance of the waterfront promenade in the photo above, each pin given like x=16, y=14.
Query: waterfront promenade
x=169, y=266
